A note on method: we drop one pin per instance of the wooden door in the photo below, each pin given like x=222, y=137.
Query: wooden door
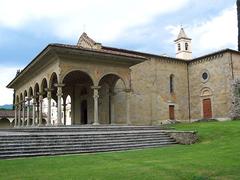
x=207, y=109
x=171, y=112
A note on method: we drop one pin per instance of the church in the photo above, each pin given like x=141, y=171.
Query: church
x=107, y=85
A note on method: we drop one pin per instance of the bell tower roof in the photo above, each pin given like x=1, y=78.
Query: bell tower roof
x=182, y=35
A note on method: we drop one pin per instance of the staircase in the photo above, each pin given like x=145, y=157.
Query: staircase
x=43, y=141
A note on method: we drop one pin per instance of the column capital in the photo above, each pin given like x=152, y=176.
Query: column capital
x=96, y=87
x=48, y=89
x=59, y=85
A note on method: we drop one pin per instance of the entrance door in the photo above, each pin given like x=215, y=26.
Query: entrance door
x=207, y=109
x=84, y=112
x=171, y=112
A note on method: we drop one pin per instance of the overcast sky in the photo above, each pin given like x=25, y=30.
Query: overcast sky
x=27, y=26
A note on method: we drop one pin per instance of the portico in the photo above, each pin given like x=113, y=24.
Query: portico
x=88, y=76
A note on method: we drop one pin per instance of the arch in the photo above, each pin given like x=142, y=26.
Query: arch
x=25, y=94
x=111, y=77
x=53, y=79
x=36, y=89
x=171, y=83
x=44, y=85
x=77, y=76
x=30, y=92
x=21, y=96
x=84, y=71
x=17, y=99
x=206, y=91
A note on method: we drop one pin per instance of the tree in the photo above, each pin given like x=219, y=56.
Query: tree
x=238, y=15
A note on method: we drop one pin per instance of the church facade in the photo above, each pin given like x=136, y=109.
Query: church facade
x=108, y=85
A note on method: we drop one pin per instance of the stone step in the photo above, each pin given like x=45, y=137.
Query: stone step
x=16, y=155
x=24, y=142
x=50, y=143
x=71, y=136
x=84, y=135
x=84, y=129
x=80, y=145
x=76, y=139
x=80, y=148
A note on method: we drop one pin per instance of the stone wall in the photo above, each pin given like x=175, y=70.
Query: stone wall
x=150, y=97
x=184, y=137
x=217, y=86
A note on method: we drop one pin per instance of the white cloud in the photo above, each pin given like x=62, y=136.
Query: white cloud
x=217, y=33
x=7, y=74
x=105, y=20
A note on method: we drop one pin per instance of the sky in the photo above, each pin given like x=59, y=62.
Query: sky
x=27, y=26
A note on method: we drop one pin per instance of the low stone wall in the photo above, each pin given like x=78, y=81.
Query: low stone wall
x=184, y=137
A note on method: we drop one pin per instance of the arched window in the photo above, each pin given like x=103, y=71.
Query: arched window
x=179, y=47
x=186, y=46
x=171, y=83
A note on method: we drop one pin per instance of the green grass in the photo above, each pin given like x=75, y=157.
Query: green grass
x=215, y=156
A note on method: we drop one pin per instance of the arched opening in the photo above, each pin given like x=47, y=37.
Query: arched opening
x=186, y=46
x=179, y=47
x=43, y=91
x=52, y=82
x=206, y=98
x=78, y=85
x=5, y=123
x=44, y=86
x=112, y=86
x=36, y=94
x=171, y=83
x=30, y=92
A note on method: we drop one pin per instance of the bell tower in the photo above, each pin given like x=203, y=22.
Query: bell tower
x=183, y=46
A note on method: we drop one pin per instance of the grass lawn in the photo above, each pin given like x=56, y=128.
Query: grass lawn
x=215, y=156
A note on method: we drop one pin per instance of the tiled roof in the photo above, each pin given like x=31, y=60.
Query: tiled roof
x=102, y=50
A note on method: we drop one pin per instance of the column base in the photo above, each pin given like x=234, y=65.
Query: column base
x=96, y=124
x=60, y=124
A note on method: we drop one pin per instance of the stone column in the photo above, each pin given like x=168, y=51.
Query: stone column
x=28, y=111
x=23, y=112
x=59, y=103
x=16, y=115
x=95, y=97
x=34, y=111
x=64, y=112
x=19, y=115
x=49, y=97
x=128, y=91
x=37, y=112
x=111, y=106
x=40, y=109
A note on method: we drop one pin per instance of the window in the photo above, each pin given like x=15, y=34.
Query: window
x=179, y=47
x=171, y=83
x=186, y=46
x=205, y=76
